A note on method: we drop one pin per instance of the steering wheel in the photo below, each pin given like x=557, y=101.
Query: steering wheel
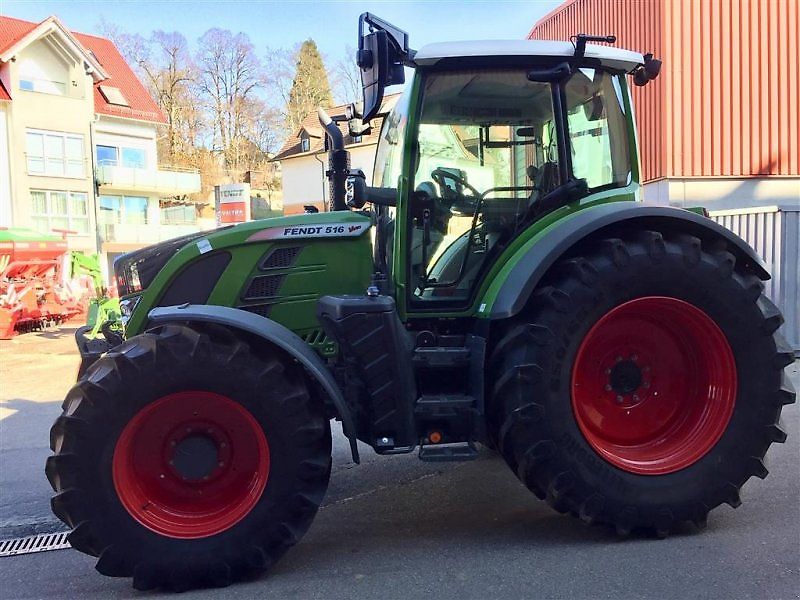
x=459, y=203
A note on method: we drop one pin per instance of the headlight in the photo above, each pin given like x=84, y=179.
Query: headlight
x=126, y=308
x=136, y=270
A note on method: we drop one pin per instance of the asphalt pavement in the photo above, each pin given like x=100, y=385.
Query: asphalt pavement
x=395, y=527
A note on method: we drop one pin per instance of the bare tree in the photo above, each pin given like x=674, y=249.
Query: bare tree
x=347, y=78
x=164, y=64
x=228, y=77
x=170, y=74
x=221, y=107
x=133, y=46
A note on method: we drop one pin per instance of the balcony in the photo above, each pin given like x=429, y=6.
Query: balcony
x=164, y=182
x=122, y=233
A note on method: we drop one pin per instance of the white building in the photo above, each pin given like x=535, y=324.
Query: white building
x=78, y=144
x=303, y=158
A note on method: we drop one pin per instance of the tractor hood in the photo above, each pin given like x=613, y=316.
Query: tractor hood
x=136, y=270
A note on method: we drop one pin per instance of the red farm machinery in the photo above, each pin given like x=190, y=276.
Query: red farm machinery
x=41, y=282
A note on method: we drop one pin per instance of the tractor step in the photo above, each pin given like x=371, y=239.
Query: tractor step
x=448, y=452
x=437, y=357
x=443, y=405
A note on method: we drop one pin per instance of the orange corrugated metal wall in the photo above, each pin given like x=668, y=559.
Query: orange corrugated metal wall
x=726, y=103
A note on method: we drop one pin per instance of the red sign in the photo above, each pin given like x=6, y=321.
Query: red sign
x=233, y=203
x=232, y=212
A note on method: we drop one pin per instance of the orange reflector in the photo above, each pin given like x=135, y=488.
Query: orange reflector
x=435, y=437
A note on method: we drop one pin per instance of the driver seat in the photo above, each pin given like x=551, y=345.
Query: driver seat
x=545, y=179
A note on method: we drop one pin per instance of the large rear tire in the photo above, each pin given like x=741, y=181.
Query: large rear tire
x=185, y=458
x=643, y=384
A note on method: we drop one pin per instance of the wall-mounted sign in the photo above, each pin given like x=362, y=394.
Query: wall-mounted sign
x=232, y=202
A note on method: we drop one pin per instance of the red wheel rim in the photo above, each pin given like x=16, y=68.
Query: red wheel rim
x=191, y=464
x=654, y=385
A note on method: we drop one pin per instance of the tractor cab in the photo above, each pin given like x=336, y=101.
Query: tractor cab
x=486, y=139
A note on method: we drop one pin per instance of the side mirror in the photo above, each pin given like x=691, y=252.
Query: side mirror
x=373, y=60
x=381, y=55
x=644, y=74
x=356, y=189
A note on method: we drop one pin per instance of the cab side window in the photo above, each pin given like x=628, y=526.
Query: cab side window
x=597, y=137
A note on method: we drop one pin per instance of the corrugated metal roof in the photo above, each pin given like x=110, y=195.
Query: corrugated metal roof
x=141, y=105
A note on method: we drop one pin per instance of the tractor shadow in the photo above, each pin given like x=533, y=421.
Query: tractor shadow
x=55, y=333
x=477, y=507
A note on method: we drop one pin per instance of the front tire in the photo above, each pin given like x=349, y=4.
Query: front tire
x=643, y=385
x=185, y=458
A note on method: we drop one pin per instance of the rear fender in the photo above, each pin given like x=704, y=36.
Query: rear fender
x=271, y=332
x=534, y=259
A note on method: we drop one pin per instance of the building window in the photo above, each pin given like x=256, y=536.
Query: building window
x=134, y=210
x=54, y=154
x=113, y=95
x=110, y=210
x=43, y=86
x=52, y=209
x=106, y=156
x=133, y=158
x=127, y=210
x=305, y=144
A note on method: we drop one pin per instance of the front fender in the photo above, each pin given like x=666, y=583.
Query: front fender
x=533, y=260
x=272, y=332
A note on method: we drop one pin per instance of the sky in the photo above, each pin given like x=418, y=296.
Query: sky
x=269, y=24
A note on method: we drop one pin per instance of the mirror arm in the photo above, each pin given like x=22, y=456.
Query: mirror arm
x=397, y=36
x=382, y=196
x=358, y=193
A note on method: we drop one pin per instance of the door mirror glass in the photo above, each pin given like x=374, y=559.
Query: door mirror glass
x=382, y=52
x=373, y=61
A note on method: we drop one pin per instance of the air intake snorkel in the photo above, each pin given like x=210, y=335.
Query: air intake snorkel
x=338, y=161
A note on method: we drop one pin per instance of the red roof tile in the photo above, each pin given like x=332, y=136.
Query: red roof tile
x=3, y=93
x=13, y=30
x=121, y=76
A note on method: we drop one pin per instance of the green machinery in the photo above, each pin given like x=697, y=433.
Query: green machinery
x=102, y=311
x=498, y=283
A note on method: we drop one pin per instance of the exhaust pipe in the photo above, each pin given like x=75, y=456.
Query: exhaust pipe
x=338, y=162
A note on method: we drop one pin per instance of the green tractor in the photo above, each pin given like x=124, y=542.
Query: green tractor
x=505, y=287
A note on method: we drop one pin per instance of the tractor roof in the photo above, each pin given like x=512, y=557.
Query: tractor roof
x=609, y=56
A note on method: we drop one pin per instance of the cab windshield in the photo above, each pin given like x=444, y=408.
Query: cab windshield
x=486, y=155
x=490, y=153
